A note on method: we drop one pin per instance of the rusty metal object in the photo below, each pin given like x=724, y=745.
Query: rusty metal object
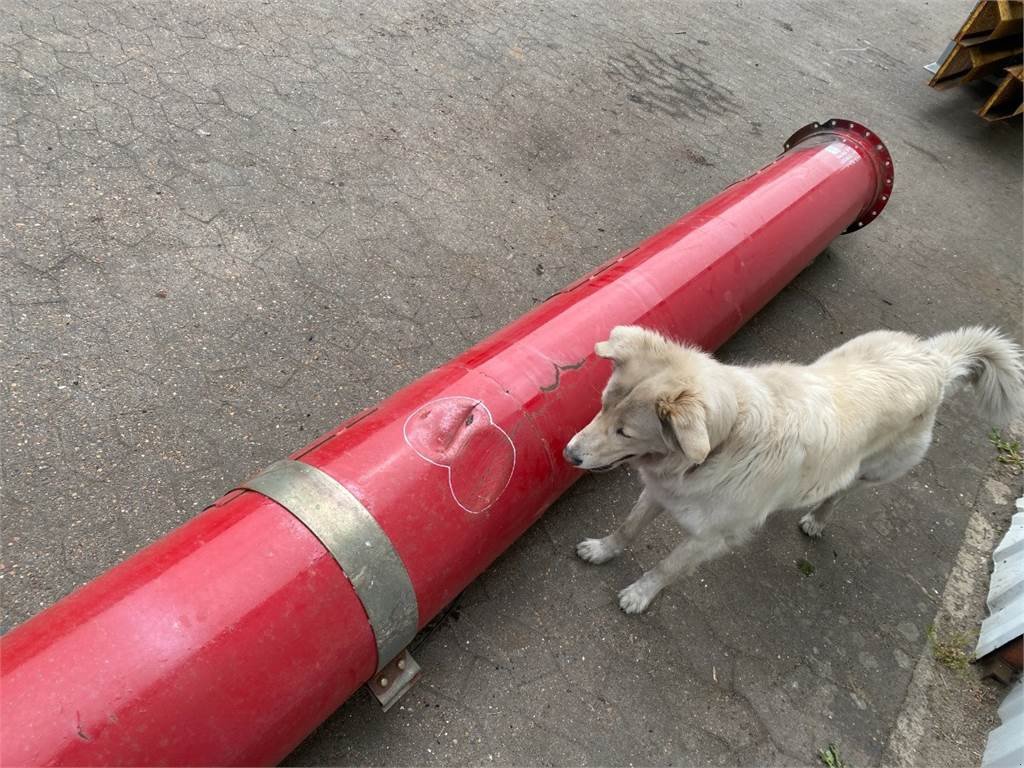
x=988, y=41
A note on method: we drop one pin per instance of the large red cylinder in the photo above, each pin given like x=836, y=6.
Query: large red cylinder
x=230, y=639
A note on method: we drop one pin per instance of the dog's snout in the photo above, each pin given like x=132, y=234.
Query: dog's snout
x=571, y=456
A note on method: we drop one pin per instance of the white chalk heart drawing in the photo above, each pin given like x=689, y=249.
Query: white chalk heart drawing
x=459, y=434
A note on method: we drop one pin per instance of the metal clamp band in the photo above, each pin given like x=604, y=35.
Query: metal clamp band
x=357, y=542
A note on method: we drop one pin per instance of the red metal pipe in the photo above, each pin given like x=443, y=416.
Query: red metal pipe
x=230, y=639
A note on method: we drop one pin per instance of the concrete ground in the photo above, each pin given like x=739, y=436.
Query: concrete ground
x=227, y=225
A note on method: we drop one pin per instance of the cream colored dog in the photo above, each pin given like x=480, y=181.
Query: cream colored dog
x=721, y=447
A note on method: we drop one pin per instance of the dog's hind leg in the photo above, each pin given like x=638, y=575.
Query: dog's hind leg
x=899, y=458
x=602, y=550
x=813, y=523
x=883, y=467
x=683, y=559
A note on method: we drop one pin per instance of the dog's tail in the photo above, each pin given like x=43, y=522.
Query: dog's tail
x=991, y=362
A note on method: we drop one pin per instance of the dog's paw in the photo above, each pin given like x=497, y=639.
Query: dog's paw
x=595, y=551
x=811, y=526
x=637, y=596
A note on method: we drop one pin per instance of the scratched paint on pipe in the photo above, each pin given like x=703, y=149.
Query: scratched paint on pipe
x=459, y=435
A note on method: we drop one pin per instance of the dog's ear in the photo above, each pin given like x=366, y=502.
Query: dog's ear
x=684, y=424
x=606, y=350
x=622, y=341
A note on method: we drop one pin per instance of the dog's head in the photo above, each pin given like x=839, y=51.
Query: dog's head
x=652, y=405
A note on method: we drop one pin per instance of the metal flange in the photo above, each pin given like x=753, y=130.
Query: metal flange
x=868, y=145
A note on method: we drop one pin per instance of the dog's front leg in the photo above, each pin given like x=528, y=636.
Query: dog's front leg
x=602, y=550
x=813, y=523
x=683, y=559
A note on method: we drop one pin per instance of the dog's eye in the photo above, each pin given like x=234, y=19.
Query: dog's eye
x=621, y=431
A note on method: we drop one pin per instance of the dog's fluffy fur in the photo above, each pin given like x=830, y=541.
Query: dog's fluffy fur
x=721, y=447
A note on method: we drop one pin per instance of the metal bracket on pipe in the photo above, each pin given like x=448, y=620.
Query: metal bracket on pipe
x=358, y=544
x=394, y=681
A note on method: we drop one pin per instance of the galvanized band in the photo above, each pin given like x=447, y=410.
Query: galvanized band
x=356, y=541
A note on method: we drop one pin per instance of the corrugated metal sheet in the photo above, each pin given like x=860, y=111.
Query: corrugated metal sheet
x=1005, y=747
x=1006, y=590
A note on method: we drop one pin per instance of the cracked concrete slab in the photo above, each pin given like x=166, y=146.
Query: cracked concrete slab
x=227, y=226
